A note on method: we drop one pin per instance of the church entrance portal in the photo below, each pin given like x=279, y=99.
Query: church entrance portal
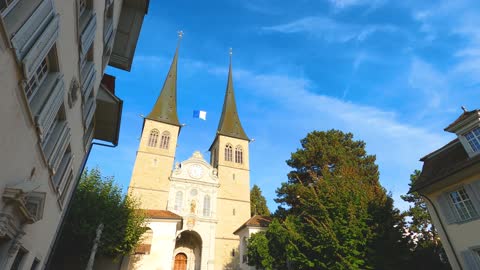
x=188, y=251
x=180, y=262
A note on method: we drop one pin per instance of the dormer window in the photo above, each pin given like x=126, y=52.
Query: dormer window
x=473, y=138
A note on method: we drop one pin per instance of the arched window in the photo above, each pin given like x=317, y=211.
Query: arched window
x=165, y=140
x=178, y=201
x=152, y=140
x=228, y=152
x=146, y=244
x=206, y=206
x=238, y=154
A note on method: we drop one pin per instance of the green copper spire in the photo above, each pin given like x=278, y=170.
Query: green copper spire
x=230, y=122
x=165, y=109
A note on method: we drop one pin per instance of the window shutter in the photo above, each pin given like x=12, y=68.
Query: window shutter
x=88, y=35
x=446, y=208
x=88, y=78
x=25, y=37
x=471, y=260
x=45, y=117
x=473, y=191
x=41, y=47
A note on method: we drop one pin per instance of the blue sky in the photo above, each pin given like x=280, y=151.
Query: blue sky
x=394, y=73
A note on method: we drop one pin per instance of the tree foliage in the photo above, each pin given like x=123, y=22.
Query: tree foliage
x=258, y=204
x=99, y=200
x=333, y=212
x=428, y=250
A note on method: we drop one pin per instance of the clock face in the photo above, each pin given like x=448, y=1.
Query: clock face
x=195, y=171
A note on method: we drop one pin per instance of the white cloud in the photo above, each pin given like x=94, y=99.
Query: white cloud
x=329, y=30
x=432, y=84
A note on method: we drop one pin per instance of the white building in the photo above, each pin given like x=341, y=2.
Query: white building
x=450, y=183
x=53, y=103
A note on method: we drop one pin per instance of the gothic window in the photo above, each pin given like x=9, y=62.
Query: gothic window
x=178, y=200
x=228, y=152
x=238, y=154
x=165, y=140
x=206, y=206
x=152, y=140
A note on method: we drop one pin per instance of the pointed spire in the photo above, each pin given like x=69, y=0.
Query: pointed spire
x=165, y=109
x=229, y=121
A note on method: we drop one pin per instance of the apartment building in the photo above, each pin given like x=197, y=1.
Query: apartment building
x=54, y=100
x=450, y=184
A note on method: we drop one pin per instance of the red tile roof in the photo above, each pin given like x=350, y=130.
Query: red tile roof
x=161, y=214
x=109, y=82
x=256, y=221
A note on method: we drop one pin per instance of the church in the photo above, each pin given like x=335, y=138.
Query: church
x=194, y=207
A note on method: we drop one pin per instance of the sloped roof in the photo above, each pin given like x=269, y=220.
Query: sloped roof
x=161, y=214
x=442, y=163
x=462, y=117
x=230, y=124
x=165, y=108
x=256, y=221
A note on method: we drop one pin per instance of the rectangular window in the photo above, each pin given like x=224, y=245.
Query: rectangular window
x=37, y=79
x=462, y=204
x=473, y=138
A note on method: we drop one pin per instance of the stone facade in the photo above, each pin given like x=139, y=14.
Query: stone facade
x=211, y=199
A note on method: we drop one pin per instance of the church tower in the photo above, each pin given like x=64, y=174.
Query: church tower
x=158, y=143
x=230, y=155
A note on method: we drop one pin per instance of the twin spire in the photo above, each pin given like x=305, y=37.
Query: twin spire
x=165, y=108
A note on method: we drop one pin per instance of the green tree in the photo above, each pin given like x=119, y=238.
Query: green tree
x=98, y=200
x=333, y=212
x=258, y=204
x=258, y=251
x=428, y=250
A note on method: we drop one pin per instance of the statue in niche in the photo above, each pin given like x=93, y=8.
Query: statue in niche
x=193, y=206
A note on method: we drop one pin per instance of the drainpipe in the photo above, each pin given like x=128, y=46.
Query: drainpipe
x=444, y=231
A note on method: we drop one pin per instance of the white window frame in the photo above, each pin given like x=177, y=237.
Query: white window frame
x=33, y=83
x=473, y=139
x=207, y=201
x=463, y=205
x=178, y=201
x=8, y=6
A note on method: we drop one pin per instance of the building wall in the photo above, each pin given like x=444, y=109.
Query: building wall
x=234, y=199
x=243, y=234
x=163, y=244
x=22, y=159
x=462, y=235
x=150, y=177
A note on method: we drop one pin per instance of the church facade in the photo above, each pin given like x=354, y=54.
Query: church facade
x=194, y=206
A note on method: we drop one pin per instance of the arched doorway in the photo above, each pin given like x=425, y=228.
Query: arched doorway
x=180, y=262
x=189, y=245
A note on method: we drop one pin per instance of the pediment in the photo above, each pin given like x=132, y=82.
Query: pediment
x=195, y=169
